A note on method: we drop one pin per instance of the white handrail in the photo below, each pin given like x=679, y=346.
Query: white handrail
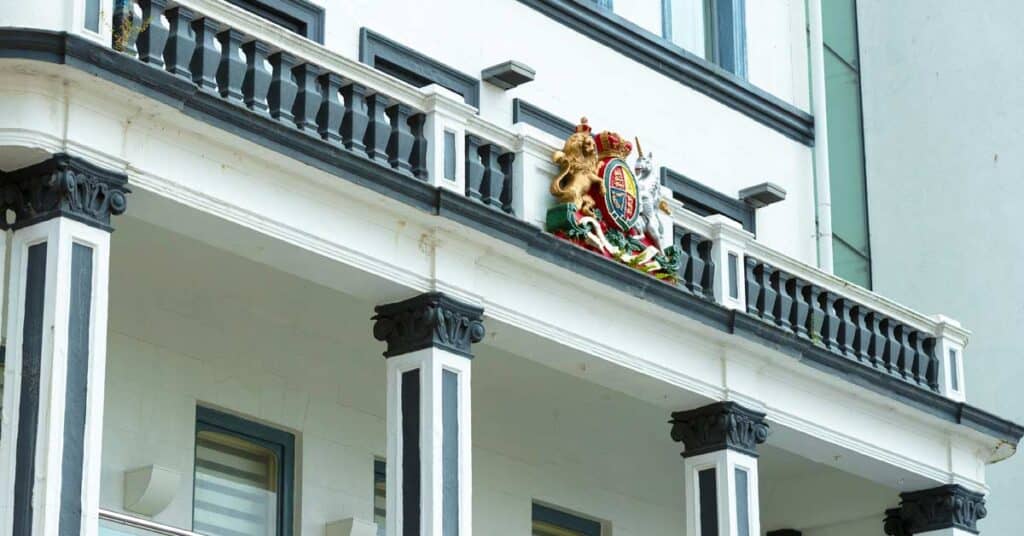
x=144, y=524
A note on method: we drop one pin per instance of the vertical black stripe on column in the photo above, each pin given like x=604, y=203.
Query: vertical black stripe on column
x=75, y=394
x=411, y=453
x=28, y=406
x=707, y=493
x=450, y=453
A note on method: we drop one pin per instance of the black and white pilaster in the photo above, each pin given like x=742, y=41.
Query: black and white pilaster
x=949, y=510
x=720, y=465
x=429, y=449
x=56, y=344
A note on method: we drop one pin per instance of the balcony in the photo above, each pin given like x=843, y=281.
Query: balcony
x=429, y=149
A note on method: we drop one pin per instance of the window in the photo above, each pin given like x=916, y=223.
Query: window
x=380, y=495
x=712, y=29
x=414, y=68
x=551, y=522
x=298, y=16
x=243, y=477
x=851, y=249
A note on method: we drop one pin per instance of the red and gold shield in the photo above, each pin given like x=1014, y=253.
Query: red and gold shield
x=621, y=201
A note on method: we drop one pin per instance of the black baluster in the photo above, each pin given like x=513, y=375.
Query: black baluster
x=798, y=314
x=891, y=346
x=862, y=336
x=419, y=147
x=830, y=327
x=206, y=58
x=494, y=178
x=281, y=95
x=695, y=272
x=909, y=355
x=353, y=125
x=707, y=280
x=328, y=119
x=876, y=344
x=918, y=339
x=475, y=168
x=123, y=37
x=753, y=285
x=932, y=376
x=307, y=99
x=846, y=328
x=231, y=70
x=816, y=318
x=507, y=162
x=180, y=44
x=400, y=141
x=784, y=303
x=378, y=130
x=768, y=294
x=153, y=38
x=257, y=78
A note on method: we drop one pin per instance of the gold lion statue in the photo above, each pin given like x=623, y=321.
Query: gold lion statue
x=578, y=160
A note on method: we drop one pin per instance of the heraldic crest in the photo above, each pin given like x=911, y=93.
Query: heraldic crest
x=609, y=208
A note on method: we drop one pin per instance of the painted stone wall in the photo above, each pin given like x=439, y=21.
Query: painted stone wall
x=944, y=148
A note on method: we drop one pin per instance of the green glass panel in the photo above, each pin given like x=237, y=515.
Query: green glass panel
x=851, y=265
x=839, y=24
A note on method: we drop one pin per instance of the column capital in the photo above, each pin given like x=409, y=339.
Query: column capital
x=944, y=507
x=719, y=426
x=63, y=186
x=429, y=320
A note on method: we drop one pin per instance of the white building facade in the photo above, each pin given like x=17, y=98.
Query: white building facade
x=219, y=214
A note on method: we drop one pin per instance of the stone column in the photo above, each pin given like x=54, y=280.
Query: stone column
x=429, y=448
x=720, y=442
x=56, y=344
x=949, y=510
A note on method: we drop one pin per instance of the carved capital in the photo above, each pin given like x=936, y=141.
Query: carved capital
x=719, y=426
x=949, y=506
x=63, y=186
x=428, y=320
x=894, y=524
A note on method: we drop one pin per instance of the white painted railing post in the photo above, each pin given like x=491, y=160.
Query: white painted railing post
x=729, y=241
x=950, y=341
x=534, y=171
x=445, y=130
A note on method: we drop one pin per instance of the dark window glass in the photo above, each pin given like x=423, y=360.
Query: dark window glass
x=707, y=494
x=549, y=521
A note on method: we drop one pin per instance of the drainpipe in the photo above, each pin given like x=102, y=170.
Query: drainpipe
x=823, y=192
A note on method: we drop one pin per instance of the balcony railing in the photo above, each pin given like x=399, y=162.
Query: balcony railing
x=118, y=524
x=431, y=136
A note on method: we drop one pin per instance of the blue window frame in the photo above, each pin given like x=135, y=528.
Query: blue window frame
x=243, y=478
x=712, y=29
x=549, y=521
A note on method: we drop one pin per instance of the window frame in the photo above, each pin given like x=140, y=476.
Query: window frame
x=280, y=442
x=299, y=16
x=565, y=520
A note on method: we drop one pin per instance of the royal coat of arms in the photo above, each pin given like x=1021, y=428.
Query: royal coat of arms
x=610, y=208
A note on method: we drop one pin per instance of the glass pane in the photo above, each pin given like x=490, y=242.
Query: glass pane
x=707, y=493
x=92, y=15
x=644, y=13
x=553, y=522
x=851, y=265
x=686, y=24
x=541, y=528
x=235, y=487
x=839, y=25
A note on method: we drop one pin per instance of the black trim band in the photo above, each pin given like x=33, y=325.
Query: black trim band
x=86, y=56
x=31, y=376
x=644, y=47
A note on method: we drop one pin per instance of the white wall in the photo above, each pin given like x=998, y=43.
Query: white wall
x=944, y=131
x=576, y=76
